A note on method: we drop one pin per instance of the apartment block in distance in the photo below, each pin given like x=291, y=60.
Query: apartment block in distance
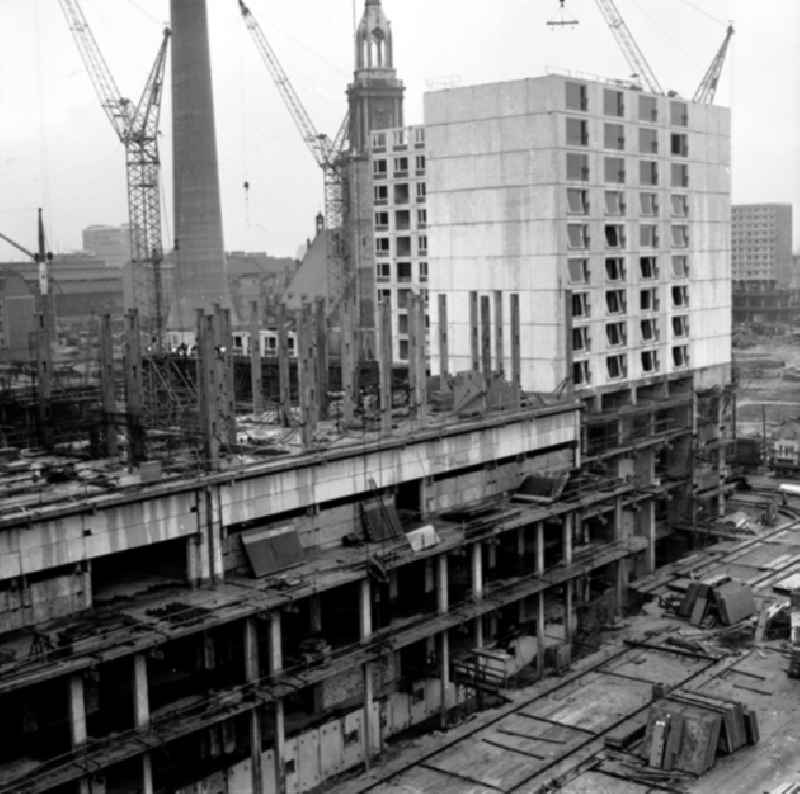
x=764, y=271
x=400, y=223
x=588, y=224
x=762, y=245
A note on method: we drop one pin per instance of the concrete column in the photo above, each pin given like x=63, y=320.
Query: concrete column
x=275, y=644
x=109, y=386
x=486, y=338
x=77, y=710
x=540, y=632
x=442, y=585
x=147, y=774
x=516, y=355
x=321, y=330
x=622, y=586
x=648, y=514
x=255, y=358
x=251, y=662
x=569, y=622
x=473, y=332
x=368, y=699
x=618, y=518
x=141, y=693
x=385, y=357
x=365, y=609
x=499, y=352
x=444, y=356
x=279, y=732
x=315, y=607
x=540, y=548
x=444, y=676
x=567, y=530
x=477, y=571
x=348, y=356
x=284, y=386
x=420, y=359
x=478, y=632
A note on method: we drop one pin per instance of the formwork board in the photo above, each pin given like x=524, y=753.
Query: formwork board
x=475, y=760
x=595, y=703
x=598, y=783
x=309, y=772
x=420, y=780
x=655, y=667
x=331, y=748
x=353, y=753
x=240, y=778
x=268, y=771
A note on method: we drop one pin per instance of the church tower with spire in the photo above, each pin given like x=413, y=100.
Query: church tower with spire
x=375, y=96
x=375, y=100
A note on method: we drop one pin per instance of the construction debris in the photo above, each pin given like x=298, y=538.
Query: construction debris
x=727, y=603
x=688, y=729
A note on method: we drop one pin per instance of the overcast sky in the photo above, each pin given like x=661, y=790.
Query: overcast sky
x=57, y=149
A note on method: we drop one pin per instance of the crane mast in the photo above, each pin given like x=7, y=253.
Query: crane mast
x=630, y=49
x=707, y=89
x=137, y=129
x=326, y=152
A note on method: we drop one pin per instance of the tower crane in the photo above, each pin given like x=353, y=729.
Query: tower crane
x=326, y=152
x=137, y=129
x=707, y=89
x=630, y=49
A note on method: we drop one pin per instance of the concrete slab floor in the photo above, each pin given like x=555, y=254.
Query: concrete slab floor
x=505, y=750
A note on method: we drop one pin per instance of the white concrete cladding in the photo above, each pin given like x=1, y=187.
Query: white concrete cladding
x=506, y=212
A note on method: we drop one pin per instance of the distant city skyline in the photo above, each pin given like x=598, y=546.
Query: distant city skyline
x=58, y=151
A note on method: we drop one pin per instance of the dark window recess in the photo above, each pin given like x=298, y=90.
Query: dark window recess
x=577, y=167
x=615, y=269
x=613, y=136
x=576, y=98
x=613, y=103
x=679, y=144
x=648, y=141
x=577, y=132
x=615, y=236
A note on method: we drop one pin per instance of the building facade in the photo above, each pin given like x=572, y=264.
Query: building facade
x=111, y=243
x=761, y=251
x=400, y=223
x=605, y=209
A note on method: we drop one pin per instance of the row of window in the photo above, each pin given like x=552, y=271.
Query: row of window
x=400, y=193
x=617, y=301
x=578, y=236
x=404, y=271
x=380, y=167
x=616, y=269
x=617, y=333
x=400, y=139
x=578, y=203
x=577, y=98
x=402, y=246
x=614, y=138
x=617, y=365
x=402, y=296
x=614, y=171
x=402, y=220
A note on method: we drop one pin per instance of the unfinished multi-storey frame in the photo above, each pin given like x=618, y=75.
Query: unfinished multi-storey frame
x=599, y=215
